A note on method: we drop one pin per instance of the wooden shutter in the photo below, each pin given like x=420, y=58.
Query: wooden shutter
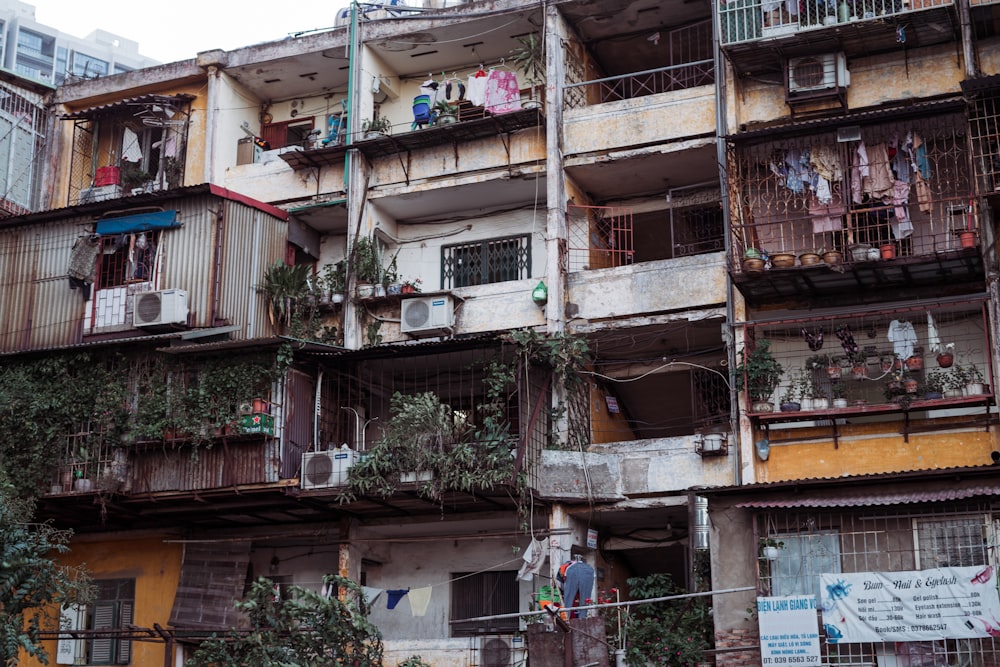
x=104, y=619
x=124, y=645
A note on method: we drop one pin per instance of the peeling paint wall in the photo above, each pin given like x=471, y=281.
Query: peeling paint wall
x=674, y=284
x=870, y=449
x=642, y=120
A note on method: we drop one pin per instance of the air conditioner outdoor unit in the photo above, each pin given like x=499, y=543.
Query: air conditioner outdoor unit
x=322, y=470
x=495, y=652
x=160, y=308
x=810, y=74
x=427, y=315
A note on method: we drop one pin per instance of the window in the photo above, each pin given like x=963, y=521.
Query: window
x=801, y=561
x=127, y=258
x=482, y=262
x=111, y=609
x=289, y=133
x=483, y=594
x=951, y=542
x=89, y=67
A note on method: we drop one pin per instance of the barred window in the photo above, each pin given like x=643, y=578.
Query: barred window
x=489, y=261
x=483, y=594
x=127, y=258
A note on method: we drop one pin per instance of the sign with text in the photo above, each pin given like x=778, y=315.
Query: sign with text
x=941, y=603
x=788, y=632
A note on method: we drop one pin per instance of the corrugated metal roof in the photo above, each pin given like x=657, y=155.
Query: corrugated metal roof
x=861, y=117
x=875, y=499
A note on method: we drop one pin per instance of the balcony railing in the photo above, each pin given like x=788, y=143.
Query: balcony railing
x=639, y=84
x=748, y=20
x=600, y=237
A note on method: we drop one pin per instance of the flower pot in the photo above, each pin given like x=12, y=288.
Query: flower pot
x=808, y=258
x=446, y=119
x=378, y=290
x=833, y=372
x=259, y=406
x=770, y=553
x=821, y=403
x=83, y=485
x=394, y=289
x=833, y=257
x=336, y=298
x=807, y=404
x=953, y=393
x=859, y=371
x=975, y=389
x=840, y=402
x=782, y=260
x=409, y=289
x=761, y=406
x=888, y=250
x=365, y=291
x=55, y=489
x=932, y=395
x=790, y=406
x=967, y=239
x=915, y=363
x=945, y=359
x=753, y=265
x=910, y=386
x=859, y=252
x=531, y=104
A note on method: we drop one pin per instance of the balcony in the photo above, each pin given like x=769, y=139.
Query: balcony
x=854, y=27
x=907, y=228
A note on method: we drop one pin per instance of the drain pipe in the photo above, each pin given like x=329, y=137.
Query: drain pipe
x=728, y=337
x=968, y=46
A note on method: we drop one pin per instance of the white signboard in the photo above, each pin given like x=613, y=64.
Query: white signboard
x=788, y=631
x=942, y=603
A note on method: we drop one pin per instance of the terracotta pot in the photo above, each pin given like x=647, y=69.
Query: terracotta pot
x=859, y=372
x=753, y=265
x=833, y=372
x=945, y=359
x=833, y=257
x=407, y=289
x=915, y=363
x=967, y=239
x=910, y=386
x=782, y=260
x=807, y=258
x=888, y=250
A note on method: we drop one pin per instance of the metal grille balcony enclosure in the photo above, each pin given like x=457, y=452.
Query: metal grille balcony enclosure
x=600, y=237
x=984, y=124
x=482, y=262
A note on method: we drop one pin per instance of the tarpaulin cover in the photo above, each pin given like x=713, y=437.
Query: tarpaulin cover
x=140, y=222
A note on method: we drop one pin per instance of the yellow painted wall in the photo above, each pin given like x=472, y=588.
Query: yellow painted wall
x=606, y=426
x=868, y=449
x=155, y=566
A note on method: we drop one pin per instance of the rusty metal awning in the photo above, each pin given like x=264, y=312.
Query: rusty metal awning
x=875, y=499
x=142, y=100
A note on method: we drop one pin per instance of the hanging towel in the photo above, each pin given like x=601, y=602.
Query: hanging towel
x=534, y=559
x=131, y=152
x=903, y=337
x=393, y=596
x=477, y=90
x=933, y=340
x=371, y=594
x=83, y=259
x=419, y=599
x=503, y=94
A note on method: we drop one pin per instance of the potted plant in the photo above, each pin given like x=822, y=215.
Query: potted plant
x=859, y=366
x=283, y=287
x=974, y=381
x=529, y=57
x=334, y=280
x=809, y=257
x=915, y=361
x=760, y=373
x=955, y=382
x=831, y=257
x=410, y=286
x=445, y=113
x=376, y=127
x=753, y=260
x=791, y=398
x=770, y=548
x=782, y=260
x=946, y=357
x=368, y=265
x=935, y=383
x=838, y=390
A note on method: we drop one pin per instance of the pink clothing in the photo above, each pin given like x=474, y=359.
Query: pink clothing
x=503, y=94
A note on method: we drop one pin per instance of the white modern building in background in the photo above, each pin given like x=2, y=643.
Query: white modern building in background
x=44, y=53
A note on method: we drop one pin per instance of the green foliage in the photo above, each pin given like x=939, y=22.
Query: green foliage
x=304, y=630
x=285, y=287
x=368, y=257
x=426, y=435
x=380, y=125
x=32, y=584
x=49, y=397
x=673, y=632
x=413, y=661
x=529, y=57
x=758, y=371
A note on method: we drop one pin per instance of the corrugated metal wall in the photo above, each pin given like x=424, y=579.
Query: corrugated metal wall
x=167, y=468
x=220, y=263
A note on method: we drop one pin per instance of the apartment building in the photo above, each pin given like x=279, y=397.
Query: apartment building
x=859, y=144
x=47, y=55
x=226, y=242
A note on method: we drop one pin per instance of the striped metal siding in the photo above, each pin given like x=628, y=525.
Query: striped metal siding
x=166, y=468
x=37, y=307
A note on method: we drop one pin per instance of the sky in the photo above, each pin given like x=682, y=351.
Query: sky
x=179, y=29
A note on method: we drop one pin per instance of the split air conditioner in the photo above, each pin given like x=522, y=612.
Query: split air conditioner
x=427, y=315
x=322, y=470
x=164, y=307
x=813, y=74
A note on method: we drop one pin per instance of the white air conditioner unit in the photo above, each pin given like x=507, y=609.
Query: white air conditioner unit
x=427, y=315
x=165, y=307
x=811, y=74
x=322, y=470
x=495, y=652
